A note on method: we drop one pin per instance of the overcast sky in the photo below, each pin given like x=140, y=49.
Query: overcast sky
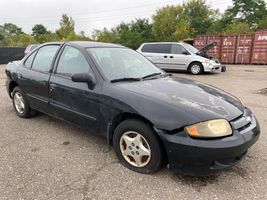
x=87, y=14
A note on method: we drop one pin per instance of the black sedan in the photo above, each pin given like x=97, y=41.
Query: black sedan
x=150, y=117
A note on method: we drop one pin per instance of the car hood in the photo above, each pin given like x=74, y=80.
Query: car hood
x=207, y=48
x=189, y=96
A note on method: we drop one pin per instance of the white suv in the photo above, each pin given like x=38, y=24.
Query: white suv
x=180, y=56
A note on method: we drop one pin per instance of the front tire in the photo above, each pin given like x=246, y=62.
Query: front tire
x=138, y=147
x=20, y=103
x=196, y=68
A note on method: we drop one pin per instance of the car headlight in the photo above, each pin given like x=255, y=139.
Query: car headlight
x=210, y=129
x=207, y=61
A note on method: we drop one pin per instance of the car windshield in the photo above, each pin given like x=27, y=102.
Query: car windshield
x=122, y=63
x=190, y=48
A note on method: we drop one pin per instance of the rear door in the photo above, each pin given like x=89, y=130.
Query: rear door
x=159, y=54
x=73, y=101
x=35, y=74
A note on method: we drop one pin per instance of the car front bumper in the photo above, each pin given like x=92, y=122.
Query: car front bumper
x=200, y=157
x=213, y=67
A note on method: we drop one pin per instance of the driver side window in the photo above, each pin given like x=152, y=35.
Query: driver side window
x=72, y=61
x=177, y=49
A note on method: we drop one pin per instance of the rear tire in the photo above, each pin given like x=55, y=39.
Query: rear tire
x=21, y=104
x=138, y=147
x=196, y=68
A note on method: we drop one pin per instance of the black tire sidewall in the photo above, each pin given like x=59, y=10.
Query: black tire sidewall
x=27, y=109
x=200, y=66
x=147, y=132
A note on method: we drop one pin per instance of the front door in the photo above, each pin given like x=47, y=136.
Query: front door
x=177, y=58
x=73, y=101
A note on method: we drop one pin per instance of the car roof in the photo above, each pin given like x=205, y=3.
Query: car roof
x=164, y=43
x=86, y=44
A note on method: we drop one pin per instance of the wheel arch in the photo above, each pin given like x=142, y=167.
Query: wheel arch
x=122, y=117
x=125, y=116
x=11, y=87
x=188, y=68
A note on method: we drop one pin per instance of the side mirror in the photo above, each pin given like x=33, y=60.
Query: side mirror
x=185, y=53
x=84, y=78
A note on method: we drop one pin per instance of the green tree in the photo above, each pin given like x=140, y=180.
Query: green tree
x=238, y=28
x=25, y=39
x=249, y=11
x=10, y=29
x=135, y=33
x=38, y=30
x=105, y=35
x=216, y=27
x=172, y=23
x=47, y=37
x=20, y=40
x=82, y=36
x=183, y=30
x=165, y=22
x=263, y=22
x=66, y=29
x=131, y=34
x=50, y=37
x=199, y=16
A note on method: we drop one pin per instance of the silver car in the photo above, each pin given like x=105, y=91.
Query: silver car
x=180, y=56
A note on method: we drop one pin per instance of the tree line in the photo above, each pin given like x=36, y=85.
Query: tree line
x=169, y=23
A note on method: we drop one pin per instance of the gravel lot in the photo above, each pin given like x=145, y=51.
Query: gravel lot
x=44, y=158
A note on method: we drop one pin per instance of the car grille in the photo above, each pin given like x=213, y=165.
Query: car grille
x=244, y=122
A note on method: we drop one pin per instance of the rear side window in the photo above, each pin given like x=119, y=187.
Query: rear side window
x=44, y=58
x=156, y=48
x=28, y=62
x=72, y=61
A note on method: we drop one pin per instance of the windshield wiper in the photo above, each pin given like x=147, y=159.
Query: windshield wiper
x=156, y=74
x=125, y=79
x=151, y=75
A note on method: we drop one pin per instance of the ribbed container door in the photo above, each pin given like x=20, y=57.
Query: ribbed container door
x=228, y=49
x=243, y=49
x=259, y=52
x=215, y=51
x=200, y=41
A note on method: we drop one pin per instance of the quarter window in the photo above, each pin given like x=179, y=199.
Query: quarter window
x=72, y=61
x=44, y=58
x=28, y=62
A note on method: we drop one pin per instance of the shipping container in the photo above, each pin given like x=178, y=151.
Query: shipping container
x=200, y=41
x=259, y=51
x=228, y=49
x=243, y=49
x=215, y=51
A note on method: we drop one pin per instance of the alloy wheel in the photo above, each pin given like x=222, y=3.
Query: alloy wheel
x=19, y=102
x=135, y=149
x=195, y=69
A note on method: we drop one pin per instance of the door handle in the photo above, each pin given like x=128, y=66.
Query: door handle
x=53, y=86
x=171, y=56
x=165, y=56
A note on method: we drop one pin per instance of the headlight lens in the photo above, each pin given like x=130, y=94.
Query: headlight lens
x=210, y=129
x=207, y=61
